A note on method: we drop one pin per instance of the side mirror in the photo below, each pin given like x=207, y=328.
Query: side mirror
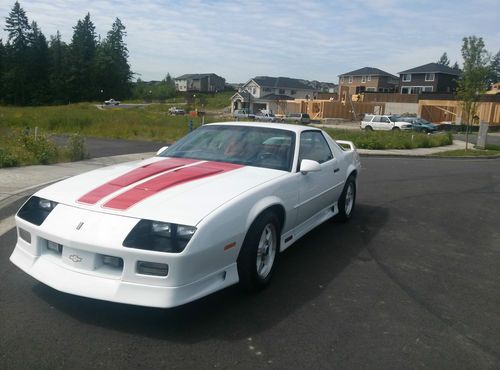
x=307, y=165
x=161, y=150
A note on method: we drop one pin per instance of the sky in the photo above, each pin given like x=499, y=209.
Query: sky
x=307, y=39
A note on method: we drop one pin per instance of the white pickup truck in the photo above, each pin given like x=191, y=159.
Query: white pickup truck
x=383, y=122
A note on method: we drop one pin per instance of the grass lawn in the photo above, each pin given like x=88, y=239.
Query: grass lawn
x=150, y=122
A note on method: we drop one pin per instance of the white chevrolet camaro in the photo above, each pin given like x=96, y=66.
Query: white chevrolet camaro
x=212, y=210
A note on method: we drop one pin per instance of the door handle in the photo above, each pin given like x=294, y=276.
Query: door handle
x=336, y=170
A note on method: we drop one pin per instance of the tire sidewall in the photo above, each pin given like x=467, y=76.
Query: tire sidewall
x=246, y=262
x=342, y=215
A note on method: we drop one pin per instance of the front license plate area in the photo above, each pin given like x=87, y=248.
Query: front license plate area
x=79, y=259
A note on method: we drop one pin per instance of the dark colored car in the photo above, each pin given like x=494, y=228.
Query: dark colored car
x=420, y=124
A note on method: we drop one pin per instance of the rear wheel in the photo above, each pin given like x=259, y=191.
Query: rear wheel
x=347, y=200
x=259, y=253
x=395, y=129
x=369, y=128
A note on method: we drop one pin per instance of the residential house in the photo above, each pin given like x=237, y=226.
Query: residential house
x=366, y=79
x=271, y=93
x=431, y=77
x=202, y=82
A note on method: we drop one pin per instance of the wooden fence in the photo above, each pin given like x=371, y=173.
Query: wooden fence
x=451, y=111
x=318, y=109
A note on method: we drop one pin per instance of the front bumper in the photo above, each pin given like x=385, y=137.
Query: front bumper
x=77, y=266
x=79, y=283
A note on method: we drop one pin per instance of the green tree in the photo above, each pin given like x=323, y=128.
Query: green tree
x=16, y=74
x=38, y=66
x=111, y=64
x=474, y=78
x=494, y=69
x=444, y=60
x=58, y=71
x=81, y=75
x=2, y=62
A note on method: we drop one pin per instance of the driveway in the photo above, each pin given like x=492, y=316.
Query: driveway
x=411, y=281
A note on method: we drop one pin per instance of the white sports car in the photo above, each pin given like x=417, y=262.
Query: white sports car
x=212, y=210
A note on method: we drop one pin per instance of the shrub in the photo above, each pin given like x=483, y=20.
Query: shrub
x=76, y=148
x=7, y=159
x=41, y=148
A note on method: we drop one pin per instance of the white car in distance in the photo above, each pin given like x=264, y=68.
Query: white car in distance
x=372, y=122
x=214, y=209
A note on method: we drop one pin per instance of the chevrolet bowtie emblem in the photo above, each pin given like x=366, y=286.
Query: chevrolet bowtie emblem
x=79, y=226
x=75, y=258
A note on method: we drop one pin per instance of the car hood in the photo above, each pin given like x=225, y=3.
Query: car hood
x=174, y=190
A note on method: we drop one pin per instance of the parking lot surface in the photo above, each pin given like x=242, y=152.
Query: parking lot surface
x=411, y=281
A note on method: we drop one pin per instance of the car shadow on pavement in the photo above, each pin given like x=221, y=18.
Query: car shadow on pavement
x=303, y=272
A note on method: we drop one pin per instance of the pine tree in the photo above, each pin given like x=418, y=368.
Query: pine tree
x=16, y=74
x=38, y=66
x=112, y=65
x=444, y=60
x=81, y=75
x=58, y=56
x=2, y=69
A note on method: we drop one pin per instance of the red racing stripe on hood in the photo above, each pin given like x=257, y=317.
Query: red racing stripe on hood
x=137, y=174
x=168, y=180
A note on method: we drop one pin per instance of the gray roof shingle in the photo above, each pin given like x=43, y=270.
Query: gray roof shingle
x=283, y=82
x=432, y=68
x=194, y=76
x=368, y=71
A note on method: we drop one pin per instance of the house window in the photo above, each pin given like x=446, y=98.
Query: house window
x=281, y=91
x=429, y=76
x=369, y=78
x=293, y=92
x=267, y=89
x=406, y=77
x=370, y=89
x=427, y=89
x=350, y=79
x=405, y=90
x=363, y=79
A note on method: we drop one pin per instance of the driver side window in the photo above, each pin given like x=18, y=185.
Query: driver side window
x=314, y=146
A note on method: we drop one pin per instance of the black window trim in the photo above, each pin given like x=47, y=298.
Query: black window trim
x=326, y=142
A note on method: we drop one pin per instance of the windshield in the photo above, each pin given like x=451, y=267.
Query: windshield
x=251, y=146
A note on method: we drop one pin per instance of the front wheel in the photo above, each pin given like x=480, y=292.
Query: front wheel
x=259, y=253
x=369, y=128
x=395, y=129
x=347, y=200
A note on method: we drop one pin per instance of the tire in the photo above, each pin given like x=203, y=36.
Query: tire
x=347, y=200
x=259, y=254
x=396, y=129
x=369, y=128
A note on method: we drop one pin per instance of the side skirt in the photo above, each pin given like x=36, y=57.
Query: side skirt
x=291, y=236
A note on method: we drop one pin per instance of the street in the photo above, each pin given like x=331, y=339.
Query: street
x=411, y=281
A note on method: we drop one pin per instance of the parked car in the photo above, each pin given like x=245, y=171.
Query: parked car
x=302, y=118
x=111, y=102
x=243, y=114
x=214, y=209
x=265, y=116
x=383, y=122
x=174, y=111
x=420, y=124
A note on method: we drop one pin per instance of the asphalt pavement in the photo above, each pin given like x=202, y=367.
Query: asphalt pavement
x=411, y=281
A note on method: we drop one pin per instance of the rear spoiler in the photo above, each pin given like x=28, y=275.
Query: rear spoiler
x=344, y=144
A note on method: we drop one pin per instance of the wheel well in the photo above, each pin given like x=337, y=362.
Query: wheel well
x=279, y=211
x=354, y=174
